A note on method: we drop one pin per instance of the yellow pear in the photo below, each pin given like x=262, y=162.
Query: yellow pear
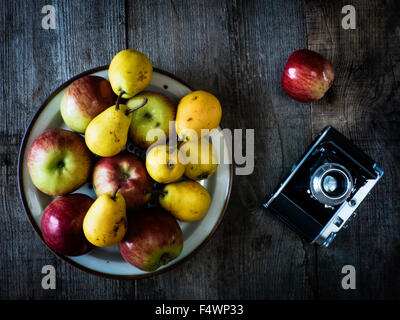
x=130, y=72
x=202, y=159
x=163, y=165
x=185, y=200
x=107, y=134
x=105, y=223
x=197, y=110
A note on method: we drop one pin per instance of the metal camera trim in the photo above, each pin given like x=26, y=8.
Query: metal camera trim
x=317, y=179
x=346, y=210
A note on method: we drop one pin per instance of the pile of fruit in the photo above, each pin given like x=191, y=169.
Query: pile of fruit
x=102, y=115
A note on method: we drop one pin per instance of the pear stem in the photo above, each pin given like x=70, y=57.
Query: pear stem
x=180, y=142
x=137, y=107
x=113, y=197
x=176, y=146
x=119, y=99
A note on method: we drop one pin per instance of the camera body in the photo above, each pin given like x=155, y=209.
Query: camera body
x=324, y=189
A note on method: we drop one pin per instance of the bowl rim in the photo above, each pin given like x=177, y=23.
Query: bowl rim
x=36, y=227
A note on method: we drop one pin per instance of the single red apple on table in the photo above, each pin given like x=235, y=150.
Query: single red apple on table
x=84, y=99
x=62, y=224
x=128, y=171
x=307, y=76
x=59, y=162
x=153, y=239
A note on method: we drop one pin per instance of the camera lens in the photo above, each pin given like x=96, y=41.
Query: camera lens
x=334, y=184
x=331, y=184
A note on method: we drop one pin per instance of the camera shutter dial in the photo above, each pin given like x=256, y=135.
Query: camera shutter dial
x=331, y=184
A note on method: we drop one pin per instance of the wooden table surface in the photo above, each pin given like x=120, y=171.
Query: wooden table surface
x=236, y=50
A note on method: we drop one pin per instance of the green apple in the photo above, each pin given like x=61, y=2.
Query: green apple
x=156, y=114
x=84, y=99
x=59, y=162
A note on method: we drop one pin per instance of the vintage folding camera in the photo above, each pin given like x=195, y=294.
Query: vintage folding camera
x=324, y=189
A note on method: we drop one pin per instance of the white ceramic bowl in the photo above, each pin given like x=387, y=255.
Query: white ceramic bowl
x=108, y=262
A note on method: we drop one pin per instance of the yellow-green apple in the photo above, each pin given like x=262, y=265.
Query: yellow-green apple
x=163, y=163
x=153, y=239
x=84, y=99
x=62, y=222
x=59, y=162
x=156, y=114
x=129, y=172
x=307, y=76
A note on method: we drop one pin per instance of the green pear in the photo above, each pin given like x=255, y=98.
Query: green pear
x=105, y=223
x=202, y=159
x=130, y=72
x=107, y=134
x=185, y=200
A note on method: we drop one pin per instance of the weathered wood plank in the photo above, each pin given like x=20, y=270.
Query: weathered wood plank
x=17, y=90
x=364, y=105
x=190, y=41
x=236, y=51
x=260, y=47
x=34, y=62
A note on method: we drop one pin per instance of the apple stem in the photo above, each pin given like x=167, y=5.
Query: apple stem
x=121, y=92
x=113, y=197
x=170, y=165
x=138, y=107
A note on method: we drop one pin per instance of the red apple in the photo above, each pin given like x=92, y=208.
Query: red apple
x=307, y=76
x=84, y=99
x=59, y=162
x=153, y=239
x=128, y=171
x=62, y=224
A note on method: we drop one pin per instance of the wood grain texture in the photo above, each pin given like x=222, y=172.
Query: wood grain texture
x=34, y=62
x=236, y=50
x=364, y=105
x=223, y=48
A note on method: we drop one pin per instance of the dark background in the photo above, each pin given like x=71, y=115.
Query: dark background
x=237, y=51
